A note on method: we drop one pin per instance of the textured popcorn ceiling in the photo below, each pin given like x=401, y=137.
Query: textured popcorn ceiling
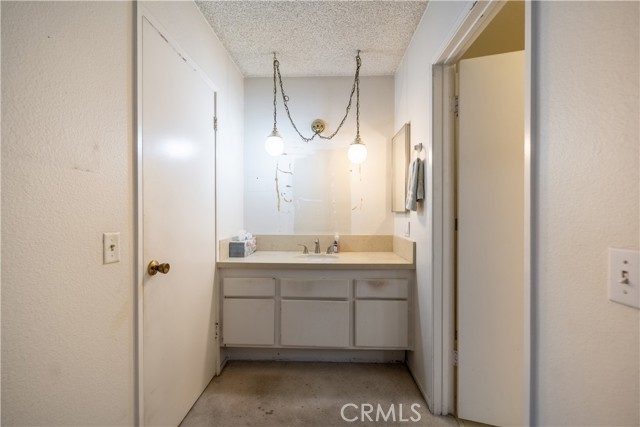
x=314, y=38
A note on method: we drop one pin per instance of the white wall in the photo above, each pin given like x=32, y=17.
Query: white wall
x=585, y=348
x=68, y=83
x=0, y=218
x=413, y=88
x=586, y=136
x=67, y=129
x=320, y=190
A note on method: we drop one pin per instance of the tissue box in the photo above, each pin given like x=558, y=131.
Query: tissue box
x=242, y=248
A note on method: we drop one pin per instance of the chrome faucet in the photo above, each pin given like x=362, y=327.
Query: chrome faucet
x=317, y=249
x=330, y=250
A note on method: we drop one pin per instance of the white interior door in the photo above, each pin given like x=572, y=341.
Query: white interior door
x=491, y=240
x=178, y=203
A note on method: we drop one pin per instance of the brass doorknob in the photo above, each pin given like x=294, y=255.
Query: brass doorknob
x=155, y=267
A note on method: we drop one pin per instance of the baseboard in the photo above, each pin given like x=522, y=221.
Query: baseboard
x=315, y=355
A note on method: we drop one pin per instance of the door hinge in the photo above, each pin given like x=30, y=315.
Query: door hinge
x=455, y=357
x=456, y=224
x=456, y=104
x=217, y=331
x=215, y=123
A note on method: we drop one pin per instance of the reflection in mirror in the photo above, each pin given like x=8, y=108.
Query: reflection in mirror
x=322, y=193
x=312, y=188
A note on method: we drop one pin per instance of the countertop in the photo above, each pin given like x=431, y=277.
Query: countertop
x=340, y=261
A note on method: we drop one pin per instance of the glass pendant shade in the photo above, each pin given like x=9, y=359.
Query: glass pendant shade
x=357, y=151
x=274, y=144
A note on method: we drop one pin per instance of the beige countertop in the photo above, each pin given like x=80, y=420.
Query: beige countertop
x=340, y=261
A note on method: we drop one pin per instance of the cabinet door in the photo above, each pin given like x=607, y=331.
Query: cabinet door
x=315, y=323
x=382, y=324
x=382, y=288
x=315, y=288
x=248, y=321
x=249, y=287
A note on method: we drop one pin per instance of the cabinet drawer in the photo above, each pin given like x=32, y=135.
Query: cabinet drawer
x=248, y=321
x=382, y=324
x=315, y=323
x=249, y=287
x=382, y=288
x=315, y=288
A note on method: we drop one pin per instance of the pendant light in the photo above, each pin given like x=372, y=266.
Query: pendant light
x=357, y=150
x=274, y=144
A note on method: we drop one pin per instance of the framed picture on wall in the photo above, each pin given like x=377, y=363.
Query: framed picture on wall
x=400, y=168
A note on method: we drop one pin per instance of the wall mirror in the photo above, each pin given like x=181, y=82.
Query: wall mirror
x=400, y=167
x=312, y=188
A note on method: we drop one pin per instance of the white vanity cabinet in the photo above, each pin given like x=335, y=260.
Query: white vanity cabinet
x=248, y=311
x=315, y=312
x=382, y=313
x=350, y=309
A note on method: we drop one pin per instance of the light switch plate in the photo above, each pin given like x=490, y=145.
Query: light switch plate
x=624, y=286
x=110, y=248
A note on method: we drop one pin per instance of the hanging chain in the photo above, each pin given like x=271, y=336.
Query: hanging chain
x=357, y=99
x=275, y=65
x=285, y=99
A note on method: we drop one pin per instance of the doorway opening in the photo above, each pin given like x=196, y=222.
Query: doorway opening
x=490, y=30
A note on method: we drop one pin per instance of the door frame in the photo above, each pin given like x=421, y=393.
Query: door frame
x=443, y=181
x=141, y=13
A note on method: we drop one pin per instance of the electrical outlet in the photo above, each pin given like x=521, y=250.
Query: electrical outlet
x=110, y=248
x=624, y=286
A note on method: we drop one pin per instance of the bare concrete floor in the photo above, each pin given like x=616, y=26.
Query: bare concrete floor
x=310, y=394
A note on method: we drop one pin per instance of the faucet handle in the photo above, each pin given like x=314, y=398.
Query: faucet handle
x=305, y=250
x=330, y=250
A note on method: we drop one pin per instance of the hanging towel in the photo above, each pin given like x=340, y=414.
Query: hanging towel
x=420, y=192
x=415, y=186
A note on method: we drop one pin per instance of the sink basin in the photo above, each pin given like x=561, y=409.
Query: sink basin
x=318, y=257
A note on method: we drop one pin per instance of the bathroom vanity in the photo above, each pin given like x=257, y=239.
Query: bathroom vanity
x=282, y=299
